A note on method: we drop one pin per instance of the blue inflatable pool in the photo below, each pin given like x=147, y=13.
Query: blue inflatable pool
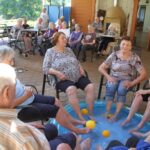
x=116, y=131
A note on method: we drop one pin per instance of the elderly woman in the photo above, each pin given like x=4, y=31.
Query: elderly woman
x=49, y=107
x=122, y=64
x=75, y=38
x=61, y=61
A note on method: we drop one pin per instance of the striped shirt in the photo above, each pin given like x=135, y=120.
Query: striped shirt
x=17, y=135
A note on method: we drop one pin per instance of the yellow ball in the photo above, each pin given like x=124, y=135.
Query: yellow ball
x=90, y=124
x=106, y=133
x=84, y=111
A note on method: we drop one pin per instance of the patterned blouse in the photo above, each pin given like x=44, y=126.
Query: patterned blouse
x=64, y=62
x=124, y=69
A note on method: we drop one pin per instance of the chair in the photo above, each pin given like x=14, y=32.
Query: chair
x=103, y=83
x=52, y=81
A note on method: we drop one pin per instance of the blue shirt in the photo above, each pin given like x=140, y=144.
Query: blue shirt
x=20, y=90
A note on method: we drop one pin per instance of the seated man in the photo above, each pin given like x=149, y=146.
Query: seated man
x=17, y=135
x=141, y=95
x=47, y=105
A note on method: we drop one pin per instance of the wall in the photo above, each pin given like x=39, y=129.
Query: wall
x=106, y=4
x=147, y=16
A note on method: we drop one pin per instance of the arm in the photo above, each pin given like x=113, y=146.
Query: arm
x=27, y=94
x=140, y=78
x=103, y=68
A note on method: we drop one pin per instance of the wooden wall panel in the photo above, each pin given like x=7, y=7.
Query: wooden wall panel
x=83, y=11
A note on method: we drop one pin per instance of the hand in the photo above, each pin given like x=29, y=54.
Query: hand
x=61, y=76
x=111, y=79
x=140, y=92
x=28, y=92
x=127, y=84
x=37, y=125
x=82, y=72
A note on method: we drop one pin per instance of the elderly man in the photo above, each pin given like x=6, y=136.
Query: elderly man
x=17, y=135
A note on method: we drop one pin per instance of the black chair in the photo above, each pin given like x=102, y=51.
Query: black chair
x=103, y=83
x=52, y=81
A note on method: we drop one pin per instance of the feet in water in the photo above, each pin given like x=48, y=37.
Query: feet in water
x=134, y=129
x=86, y=144
x=125, y=122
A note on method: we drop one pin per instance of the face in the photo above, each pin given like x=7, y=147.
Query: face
x=125, y=46
x=62, y=40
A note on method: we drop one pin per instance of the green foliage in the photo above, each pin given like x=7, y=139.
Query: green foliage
x=30, y=9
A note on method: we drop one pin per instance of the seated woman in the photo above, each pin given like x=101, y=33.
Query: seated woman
x=140, y=97
x=113, y=30
x=122, y=64
x=75, y=39
x=49, y=107
x=88, y=42
x=39, y=24
x=61, y=61
x=24, y=24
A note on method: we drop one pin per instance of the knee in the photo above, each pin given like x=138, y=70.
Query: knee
x=50, y=131
x=72, y=90
x=63, y=146
x=90, y=87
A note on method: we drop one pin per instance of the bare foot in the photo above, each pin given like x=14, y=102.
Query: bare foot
x=86, y=144
x=82, y=130
x=98, y=147
x=125, y=122
x=134, y=129
x=138, y=134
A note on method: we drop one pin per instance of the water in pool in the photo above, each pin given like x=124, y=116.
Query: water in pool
x=116, y=131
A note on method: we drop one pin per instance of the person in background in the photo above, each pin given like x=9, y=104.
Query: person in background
x=39, y=24
x=61, y=62
x=58, y=24
x=141, y=96
x=75, y=39
x=45, y=18
x=18, y=135
x=24, y=23
x=124, y=65
x=65, y=30
x=88, y=42
x=73, y=23
x=112, y=32
x=98, y=26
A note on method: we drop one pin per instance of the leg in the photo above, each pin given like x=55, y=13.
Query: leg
x=121, y=98
x=73, y=100
x=113, y=144
x=70, y=88
x=69, y=141
x=132, y=142
x=145, y=117
x=110, y=94
x=134, y=108
x=89, y=89
x=85, y=84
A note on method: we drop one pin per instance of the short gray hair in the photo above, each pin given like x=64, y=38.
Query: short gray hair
x=6, y=53
x=7, y=76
